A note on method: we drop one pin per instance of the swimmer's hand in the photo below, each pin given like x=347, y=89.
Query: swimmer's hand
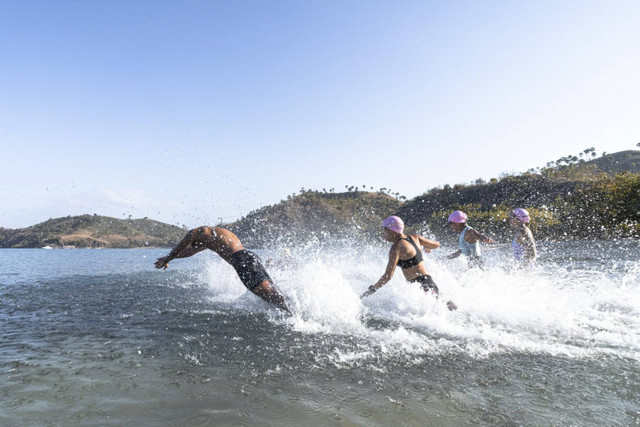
x=369, y=292
x=162, y=263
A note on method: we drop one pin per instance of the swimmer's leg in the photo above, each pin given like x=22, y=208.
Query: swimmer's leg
x=429, y=286
x=268, y=292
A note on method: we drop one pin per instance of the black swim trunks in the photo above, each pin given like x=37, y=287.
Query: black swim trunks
x=249, y=268
x=426, y=283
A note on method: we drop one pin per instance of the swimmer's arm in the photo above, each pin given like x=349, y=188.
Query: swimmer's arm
x=163, y=262
x=189, y=251
x=473, y=236
x=428, y=244
x=183, y=249
x=394, y=256
x=456, y=254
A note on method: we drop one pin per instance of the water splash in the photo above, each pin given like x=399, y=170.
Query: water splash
x=570, y=307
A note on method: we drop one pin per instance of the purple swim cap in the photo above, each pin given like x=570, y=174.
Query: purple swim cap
x=458, y=216
x=522, y=215
x=394, y=223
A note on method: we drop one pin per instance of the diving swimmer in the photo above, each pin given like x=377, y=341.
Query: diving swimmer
x=405, y=253
x=468, y=239
x=523, y=245
x=228, y=246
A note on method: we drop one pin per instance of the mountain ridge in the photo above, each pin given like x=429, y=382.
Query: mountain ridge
x=607, y=188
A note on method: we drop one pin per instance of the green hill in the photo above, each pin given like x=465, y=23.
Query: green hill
x=579, y=169
x=92, y=231
x=486, y=204
x=314, y=216
x=569, y=198
x=615, y=163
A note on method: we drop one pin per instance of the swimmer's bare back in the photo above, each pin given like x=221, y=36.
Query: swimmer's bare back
x=225, y=244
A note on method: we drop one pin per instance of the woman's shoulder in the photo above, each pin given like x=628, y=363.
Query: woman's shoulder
x=402, y=241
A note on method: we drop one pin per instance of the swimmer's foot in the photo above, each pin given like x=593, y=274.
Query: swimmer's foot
x=452, y=306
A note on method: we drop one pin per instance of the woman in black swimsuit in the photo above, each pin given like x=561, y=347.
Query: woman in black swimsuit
x=405, y=253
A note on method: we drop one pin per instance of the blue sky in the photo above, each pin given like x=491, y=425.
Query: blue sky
x=188, y=111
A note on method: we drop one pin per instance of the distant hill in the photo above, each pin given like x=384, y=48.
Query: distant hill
x=579, y=169
x=570, y=198
x=563, y=199
x=315, y=216
x=432, y=209
x=615, y=163
x=549, y=194
x=92, y=231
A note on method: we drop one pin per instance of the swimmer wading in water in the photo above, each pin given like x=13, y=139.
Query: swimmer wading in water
x=406, y=254
x=228, y=246
x=468, y=239
x=523, y=245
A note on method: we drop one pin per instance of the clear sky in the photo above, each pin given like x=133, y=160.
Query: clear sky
x=187, y=111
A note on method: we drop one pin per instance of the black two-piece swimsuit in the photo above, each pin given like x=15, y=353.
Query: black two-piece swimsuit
x=426, y=281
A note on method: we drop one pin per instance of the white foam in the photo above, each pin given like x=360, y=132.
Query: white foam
x=549, y=309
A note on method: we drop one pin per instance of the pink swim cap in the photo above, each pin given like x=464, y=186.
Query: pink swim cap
x=458, y=216
x=522, y=215
x=394, y=223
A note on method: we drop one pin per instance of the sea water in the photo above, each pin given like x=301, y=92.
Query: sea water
x=99, y=337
